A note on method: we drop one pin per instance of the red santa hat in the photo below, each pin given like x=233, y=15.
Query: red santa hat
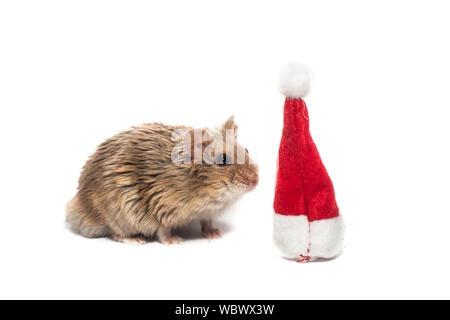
x=307, y=224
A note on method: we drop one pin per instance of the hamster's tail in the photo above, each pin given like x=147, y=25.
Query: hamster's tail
x=82, y=222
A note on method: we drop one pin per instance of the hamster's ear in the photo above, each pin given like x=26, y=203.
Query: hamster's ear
x=230, y=125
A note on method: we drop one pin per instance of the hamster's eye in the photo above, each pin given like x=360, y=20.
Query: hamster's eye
x=222, y=160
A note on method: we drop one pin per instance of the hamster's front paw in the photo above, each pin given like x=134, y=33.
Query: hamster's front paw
x=166, y=237
x=132, y=241
x=209, y=231
x=213, y=234
x=171, y=240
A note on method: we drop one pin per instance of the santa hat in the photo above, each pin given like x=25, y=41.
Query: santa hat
x=307, y=224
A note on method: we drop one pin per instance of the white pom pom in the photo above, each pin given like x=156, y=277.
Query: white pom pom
x=294, y=81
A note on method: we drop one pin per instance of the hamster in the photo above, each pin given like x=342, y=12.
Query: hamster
x=134, y=187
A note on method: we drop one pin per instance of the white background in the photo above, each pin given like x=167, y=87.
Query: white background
x=73, y=73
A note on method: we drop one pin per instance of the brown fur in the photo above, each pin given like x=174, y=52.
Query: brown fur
x=130, y=187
